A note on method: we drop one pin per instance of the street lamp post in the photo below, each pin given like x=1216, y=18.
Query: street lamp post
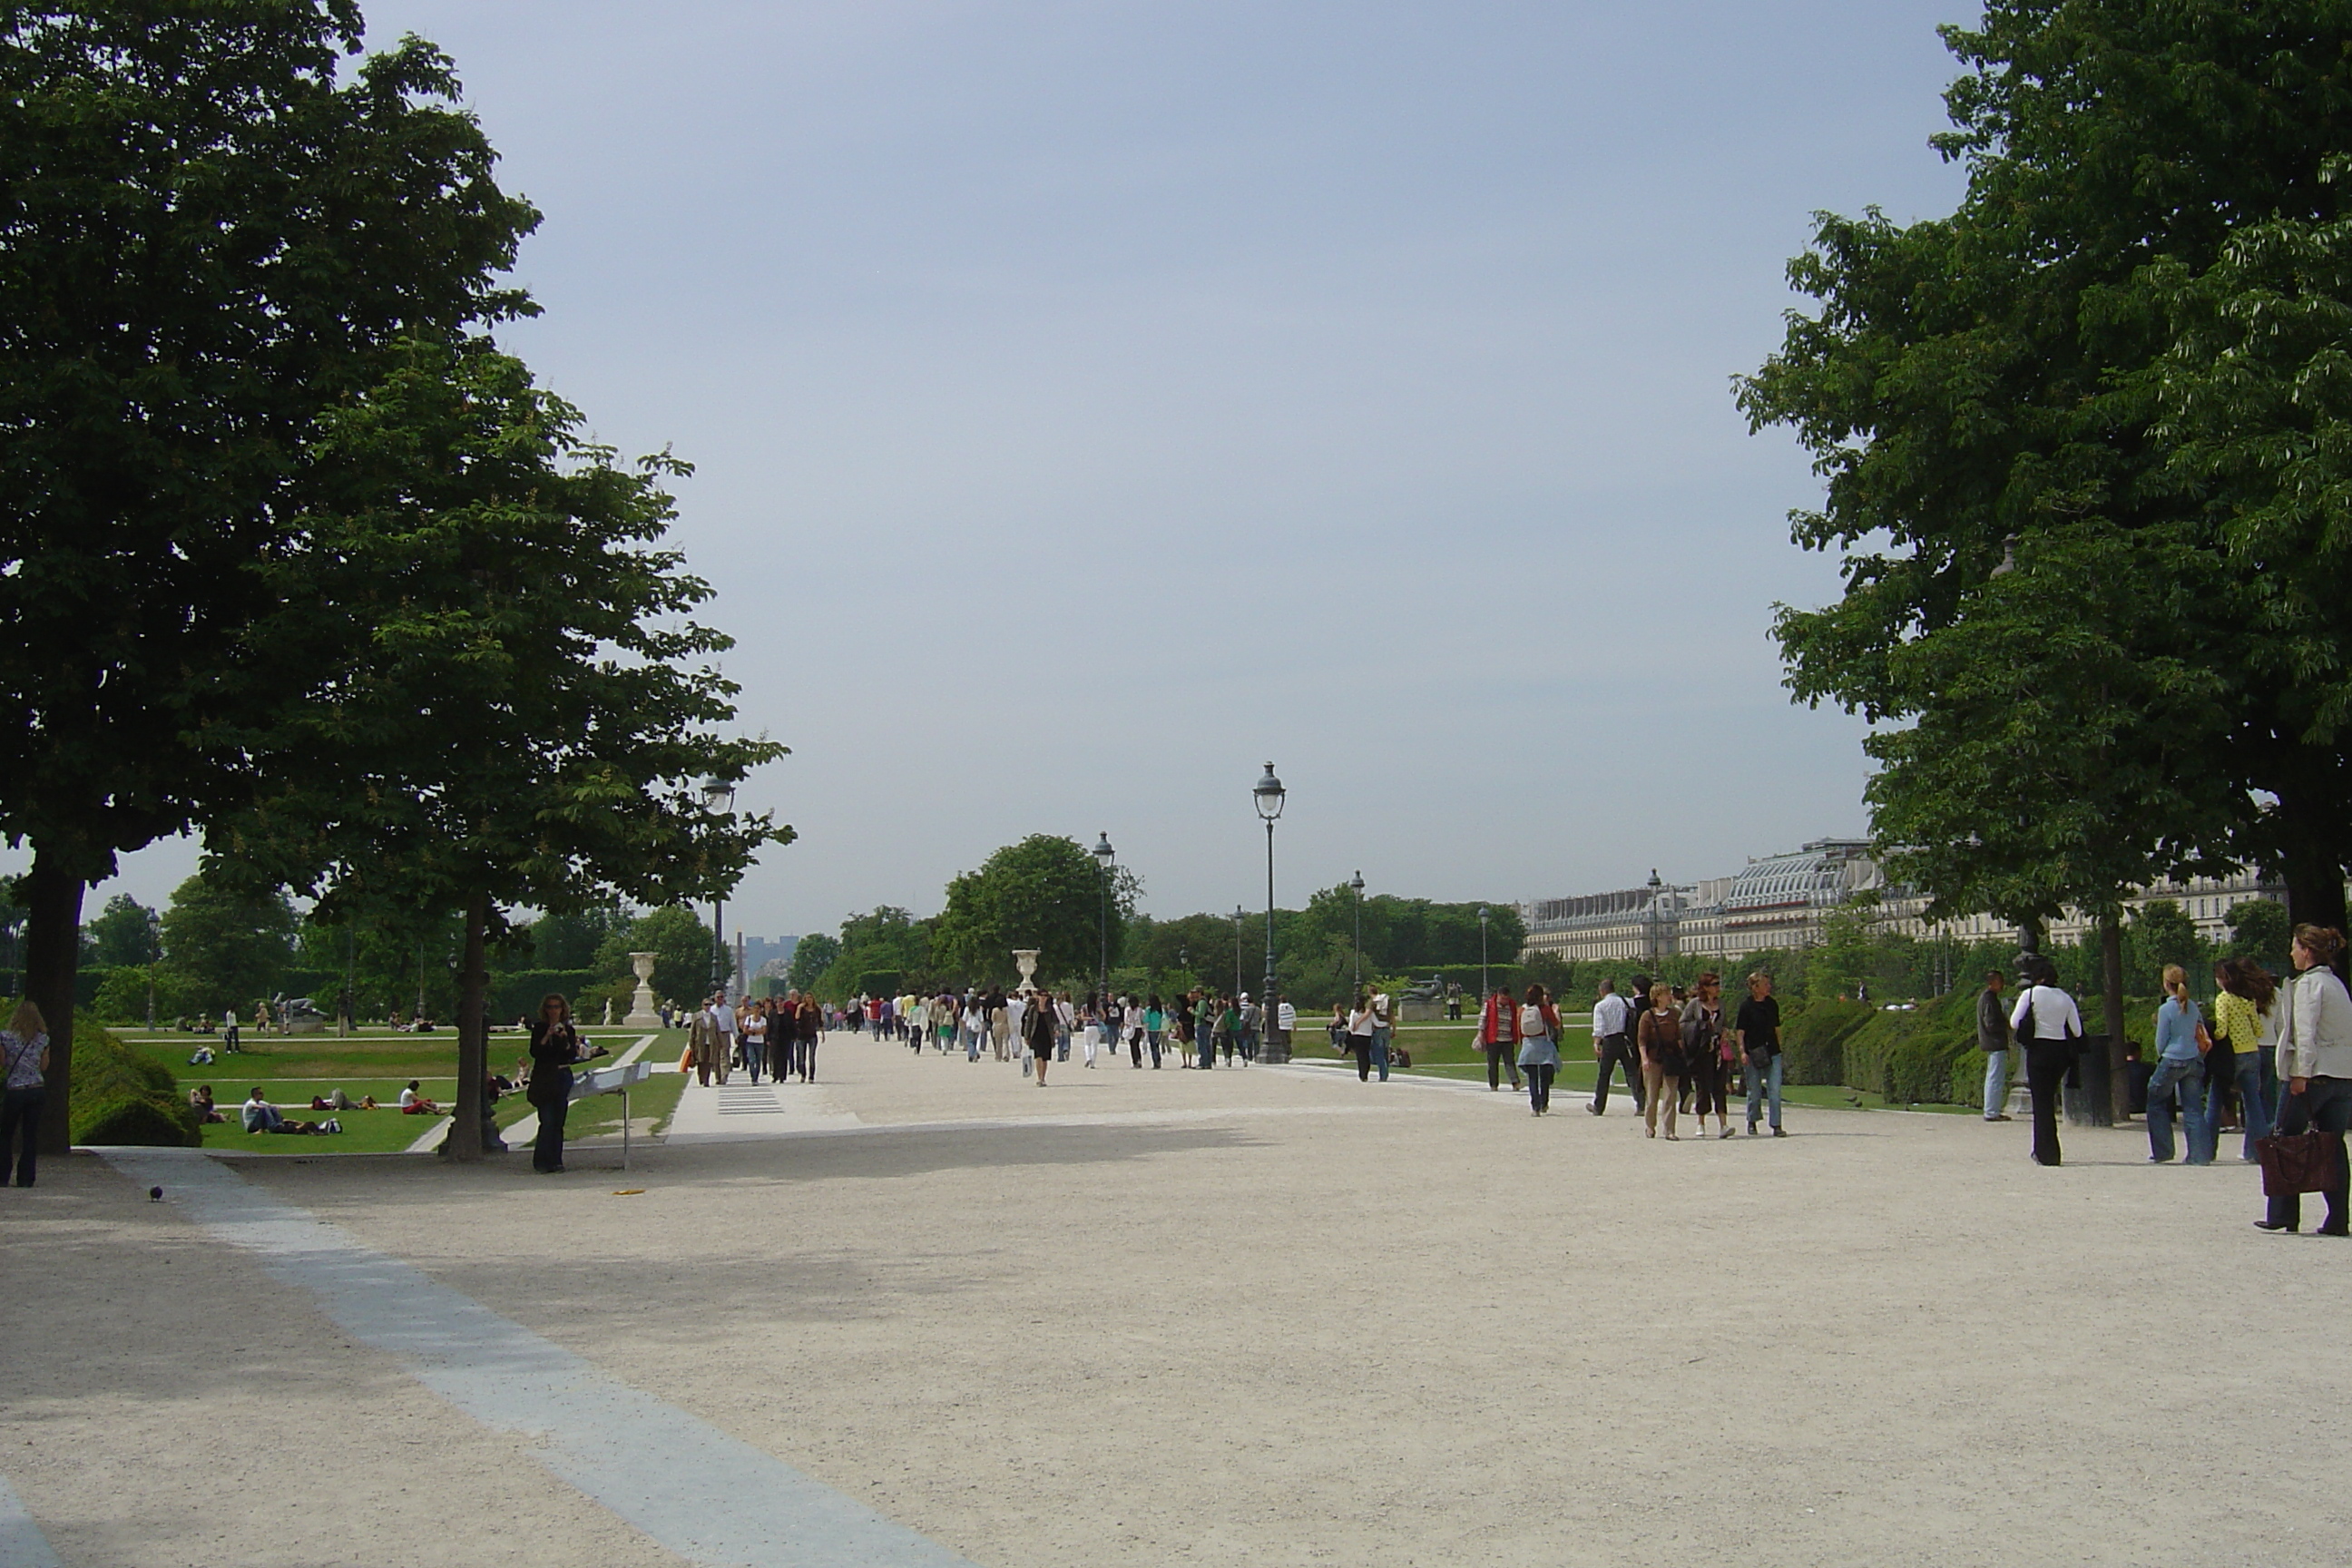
x=1484, y=990
x=1269, y=794
x=155, y=952
x=1656, y=915
x=1356, y=975
x=719, y=797
x=1105, y=856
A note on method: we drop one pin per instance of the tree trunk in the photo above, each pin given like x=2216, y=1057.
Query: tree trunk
x=465, y=1141
x=2315, y=892
x=2111, y=982
x=52, y=958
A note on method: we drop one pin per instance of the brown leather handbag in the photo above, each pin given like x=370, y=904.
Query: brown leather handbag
x=2298, y=1162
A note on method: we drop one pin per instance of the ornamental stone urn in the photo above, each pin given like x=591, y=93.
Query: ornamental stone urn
x=1024, y=959
x=642, y=1013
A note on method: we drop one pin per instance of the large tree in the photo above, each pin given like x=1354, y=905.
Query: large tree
x=509, y=707
x=211, y=228
x=1988, y=395
x=227, y=946
x=1045, y=892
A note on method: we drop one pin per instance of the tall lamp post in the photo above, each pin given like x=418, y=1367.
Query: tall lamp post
x=155, y=952
x=1105, y=857
x=1240, y=914
x=1355, y=983
x=1484, y=990
x=719, y=797
x=1268, y=795
x=1656, y=917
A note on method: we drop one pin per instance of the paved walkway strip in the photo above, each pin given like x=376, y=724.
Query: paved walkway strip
x=21, y=1544
x=708, y=1497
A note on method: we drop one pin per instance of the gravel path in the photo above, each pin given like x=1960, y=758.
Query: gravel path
x=1259, y=1315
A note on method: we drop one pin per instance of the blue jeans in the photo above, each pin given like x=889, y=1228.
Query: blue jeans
x=2246, y=1073
x=1763, y=1081
x=1380, y=1053
x=1996, y=1090
x=2181, y=1079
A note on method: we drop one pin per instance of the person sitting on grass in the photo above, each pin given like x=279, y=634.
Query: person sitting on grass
x=412, y=1103
x=201, y=1097
x=260, y=1116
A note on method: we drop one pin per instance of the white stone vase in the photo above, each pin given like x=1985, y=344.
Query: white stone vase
x=641, y=1014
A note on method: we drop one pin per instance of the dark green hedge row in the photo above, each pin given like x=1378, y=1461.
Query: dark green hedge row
x=120, y=1096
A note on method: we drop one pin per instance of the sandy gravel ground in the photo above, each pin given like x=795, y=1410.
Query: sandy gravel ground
x=1245, y=1316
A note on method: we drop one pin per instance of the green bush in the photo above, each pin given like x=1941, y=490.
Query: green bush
x=148, y=1120
x=120, y=1097
x=1912, y=1057
x=1813, y=1036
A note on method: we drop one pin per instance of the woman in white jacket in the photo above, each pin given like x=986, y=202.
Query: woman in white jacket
x=2315, y=1058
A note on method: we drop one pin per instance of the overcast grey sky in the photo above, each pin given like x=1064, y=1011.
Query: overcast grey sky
x=1091, y=401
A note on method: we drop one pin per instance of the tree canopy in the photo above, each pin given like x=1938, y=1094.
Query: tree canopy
x=1045, y=892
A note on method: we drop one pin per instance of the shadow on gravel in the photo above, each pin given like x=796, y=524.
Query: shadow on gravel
x=886, y=1155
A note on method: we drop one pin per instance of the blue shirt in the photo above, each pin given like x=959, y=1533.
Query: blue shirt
x=2175, y=1031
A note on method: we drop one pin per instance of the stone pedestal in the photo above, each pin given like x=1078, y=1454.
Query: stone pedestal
x=641, y=1014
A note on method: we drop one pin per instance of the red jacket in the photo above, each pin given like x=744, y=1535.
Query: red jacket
x=1503, y=1030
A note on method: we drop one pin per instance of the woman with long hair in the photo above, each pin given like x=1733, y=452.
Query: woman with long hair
x=2180, y=1075
x=2244, y=1002
x=1539, y=1031
x=2315, y=1051
x=1659, y=1039
x=554, y=1046
x=1704, y=1048
x=751, y=1037
x=2047, y=1023
x=24, y=1064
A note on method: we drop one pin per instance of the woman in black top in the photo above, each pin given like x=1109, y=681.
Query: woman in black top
x=554, y=1046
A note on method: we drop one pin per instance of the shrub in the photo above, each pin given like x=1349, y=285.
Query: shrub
x=142, y=1119
x=1813, y=1036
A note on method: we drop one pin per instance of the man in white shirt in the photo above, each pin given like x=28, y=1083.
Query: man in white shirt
x=722, y=1021
x=1613, y=1044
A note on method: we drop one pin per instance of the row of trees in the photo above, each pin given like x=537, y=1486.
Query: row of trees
x=2085, y=447
x=294, y=555
x=1047, y=892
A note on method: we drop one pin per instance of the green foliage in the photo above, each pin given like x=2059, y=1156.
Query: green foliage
x=2159, y=933
x=1813, y=1036
x=1841, y=961
x=682, y=946
x=811, y=956
x=2260, y=929
x=120, y=935
x=888, y=942
x=1911, y=1057
x=1045, y=892
x=577, y=941
x=120, y=1097
x=223, y=946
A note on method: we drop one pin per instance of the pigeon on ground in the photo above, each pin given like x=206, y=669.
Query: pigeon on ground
x=154, y=1195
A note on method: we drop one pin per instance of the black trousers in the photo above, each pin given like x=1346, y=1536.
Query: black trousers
x=1540, y=1076
x=1362, y=1046
x=1497, y=1058
x=2046, y=1064
x=2325, y=1103
x=1615, y=1051
x=779, y=1059
x=807, y=1062
x=547, y=1151
x=20, y=1130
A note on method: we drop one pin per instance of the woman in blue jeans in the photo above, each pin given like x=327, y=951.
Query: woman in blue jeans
x=2180, y=1076
x=2244, y=1003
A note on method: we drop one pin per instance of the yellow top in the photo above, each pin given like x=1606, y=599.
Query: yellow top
x=2235, y=1017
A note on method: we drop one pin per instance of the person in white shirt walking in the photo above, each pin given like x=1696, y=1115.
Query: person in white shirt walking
x=2048, y=1024
x=1612, y=1048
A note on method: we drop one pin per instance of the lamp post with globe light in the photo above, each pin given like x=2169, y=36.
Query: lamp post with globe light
x=1356, y=984
x=1105, y=857
x=719, y=797
x=1268, y=795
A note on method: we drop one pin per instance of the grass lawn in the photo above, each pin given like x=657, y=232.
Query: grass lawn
x=290, y=1069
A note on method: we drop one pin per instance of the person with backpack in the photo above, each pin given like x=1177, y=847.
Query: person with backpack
x=1612, y=1046
x=1706, y=1052
x=2048, y=1023
x=1538, y=1030
x=1498, y=1036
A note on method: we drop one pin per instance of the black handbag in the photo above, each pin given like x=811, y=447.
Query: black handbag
x=2296, y=1163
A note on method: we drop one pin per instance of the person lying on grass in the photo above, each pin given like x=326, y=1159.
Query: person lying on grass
x=260, y=1116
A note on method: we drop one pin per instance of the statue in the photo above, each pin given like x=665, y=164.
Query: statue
x=642, y=1013
x=608, y=1012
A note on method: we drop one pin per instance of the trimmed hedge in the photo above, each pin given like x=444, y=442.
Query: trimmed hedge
x=1812, y=1040
x=120, y=1096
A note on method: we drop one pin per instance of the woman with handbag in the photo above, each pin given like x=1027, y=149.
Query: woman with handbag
x=1659, y=1037
x=2315, y=1053
x=2047, y=1024
x=1498, y=1038
x=1539, y=1032
x=1706, y=1052
x=2244, y=1000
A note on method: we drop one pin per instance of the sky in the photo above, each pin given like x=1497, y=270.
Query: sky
x=1091, y=403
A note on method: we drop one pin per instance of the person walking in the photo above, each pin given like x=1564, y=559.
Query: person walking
x=751, y=1031
x=702, y=1037
x=1383, y=1031
x=1659, y=1037
x=2180, y=1076
x=2047, y=1023
x=1229, y=1028
x=1757, y=1032
x=1992, y=1039
x=1155, y=1026
x=554, y=1046
x=1361, y=1037
x=24, y=1068
x=1245, y=1030
x=2244, y=1007
x=1706, y=1052
x=1538, y=1054
x=2315, y=1057
x=1498, y=1038
x=1612, y=1048
x=1039, y=1027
